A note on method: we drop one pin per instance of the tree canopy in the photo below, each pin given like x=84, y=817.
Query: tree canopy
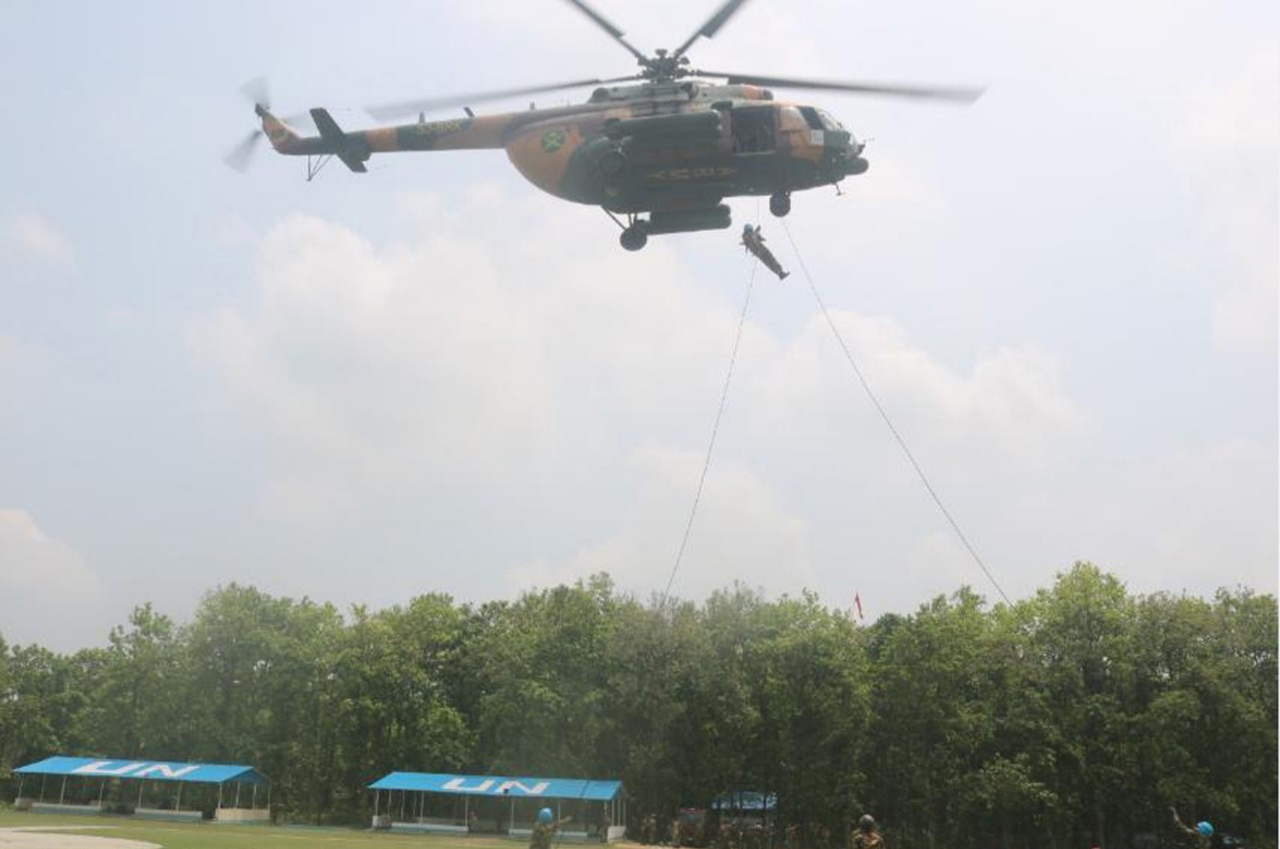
x=1075, y=717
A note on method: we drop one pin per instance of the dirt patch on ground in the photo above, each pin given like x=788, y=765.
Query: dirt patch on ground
x=41, y=837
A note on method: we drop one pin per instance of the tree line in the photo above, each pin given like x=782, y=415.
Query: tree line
x=1070, y=719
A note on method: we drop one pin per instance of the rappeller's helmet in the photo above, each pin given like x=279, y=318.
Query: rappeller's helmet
x=866, y=822
x=1205, y=828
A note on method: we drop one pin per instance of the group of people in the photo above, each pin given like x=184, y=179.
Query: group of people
x=735, y=835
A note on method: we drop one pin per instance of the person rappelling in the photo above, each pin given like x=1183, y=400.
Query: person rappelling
x=753, y=241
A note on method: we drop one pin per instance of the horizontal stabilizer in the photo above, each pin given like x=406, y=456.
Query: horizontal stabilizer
x=351, y=149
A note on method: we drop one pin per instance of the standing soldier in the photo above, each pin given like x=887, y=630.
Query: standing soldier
x=649, y=829
x=675, y=831
x=544, y=829
x=866, y=836
x=605, y=822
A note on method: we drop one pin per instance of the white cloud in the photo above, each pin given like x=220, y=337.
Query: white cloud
x=35, y=236
x=1009, y=413
x=1196, y=519
x=394, y=373
x=742, y=531
x=445, y=355
x=447, y=361
x=42, y=580
x=1227, y=148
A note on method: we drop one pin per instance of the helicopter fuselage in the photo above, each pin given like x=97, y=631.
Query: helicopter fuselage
x=654, y=147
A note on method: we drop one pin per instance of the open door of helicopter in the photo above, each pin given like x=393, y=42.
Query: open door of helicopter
x=754, y=129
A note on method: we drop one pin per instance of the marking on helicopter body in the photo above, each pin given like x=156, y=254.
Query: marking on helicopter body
x=553, y=140
x=442, y=127
x=678, y=174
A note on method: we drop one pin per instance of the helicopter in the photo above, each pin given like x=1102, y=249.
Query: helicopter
x=665, y=142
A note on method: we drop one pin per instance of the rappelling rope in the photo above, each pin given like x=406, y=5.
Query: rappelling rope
x=715, y=428
x=933, y=493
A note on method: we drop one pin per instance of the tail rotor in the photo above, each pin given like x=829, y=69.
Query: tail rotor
x=258, y=92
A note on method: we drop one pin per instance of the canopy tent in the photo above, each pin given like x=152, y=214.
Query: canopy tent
x=745, y=800
x=106, y=771
x=507, y=804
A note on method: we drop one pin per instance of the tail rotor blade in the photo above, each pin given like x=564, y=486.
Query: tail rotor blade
x=239, y=157
x=258, y=92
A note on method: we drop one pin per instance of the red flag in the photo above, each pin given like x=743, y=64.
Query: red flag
x=857, y=599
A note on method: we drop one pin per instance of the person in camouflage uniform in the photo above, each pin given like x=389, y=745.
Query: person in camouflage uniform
x=675, y=831
x=753, y=240
x=649, y=829
x=605, y=821
x=544, y=829
x=866, y=835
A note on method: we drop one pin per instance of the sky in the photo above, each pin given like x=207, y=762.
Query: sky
x=436, y=378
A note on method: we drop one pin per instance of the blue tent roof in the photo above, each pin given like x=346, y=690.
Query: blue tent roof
x=498, y=785
x=149, y=770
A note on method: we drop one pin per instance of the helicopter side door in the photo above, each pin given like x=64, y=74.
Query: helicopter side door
x=754, y=129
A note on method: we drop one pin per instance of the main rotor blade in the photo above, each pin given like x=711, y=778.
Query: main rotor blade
x=958, y=94
x=240, y=155
x=606, y=25
x=713, y=24
x=390, y=111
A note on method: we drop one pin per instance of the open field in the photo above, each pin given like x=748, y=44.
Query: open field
x=80, y=833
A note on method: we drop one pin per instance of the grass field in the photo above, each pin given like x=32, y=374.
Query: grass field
x=173, y=835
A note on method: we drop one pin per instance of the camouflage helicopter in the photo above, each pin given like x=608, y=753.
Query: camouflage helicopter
x=667, y=143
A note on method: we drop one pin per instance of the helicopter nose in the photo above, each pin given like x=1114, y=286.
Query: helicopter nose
x=853, y=163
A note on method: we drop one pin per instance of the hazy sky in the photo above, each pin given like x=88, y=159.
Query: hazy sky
x=434, y=377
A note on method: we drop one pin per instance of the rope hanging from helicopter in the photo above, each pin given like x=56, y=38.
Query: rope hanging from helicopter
x=715, y=429
x=897, y=435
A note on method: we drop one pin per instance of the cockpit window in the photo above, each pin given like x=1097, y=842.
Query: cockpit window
x=811, y=117
x=828, y=122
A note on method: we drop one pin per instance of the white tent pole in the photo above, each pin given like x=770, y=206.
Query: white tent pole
x=102, y=788
x=177, y=806
x=238, y=794
x=21, y=778
x=141, y=784
x=220, y=795
x=62, y=794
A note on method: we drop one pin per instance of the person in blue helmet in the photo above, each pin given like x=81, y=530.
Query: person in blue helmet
x=1200, y=836
x=544, y=829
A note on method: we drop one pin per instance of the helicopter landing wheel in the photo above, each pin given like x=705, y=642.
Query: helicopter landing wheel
x=780, y=204
x=634, y=237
